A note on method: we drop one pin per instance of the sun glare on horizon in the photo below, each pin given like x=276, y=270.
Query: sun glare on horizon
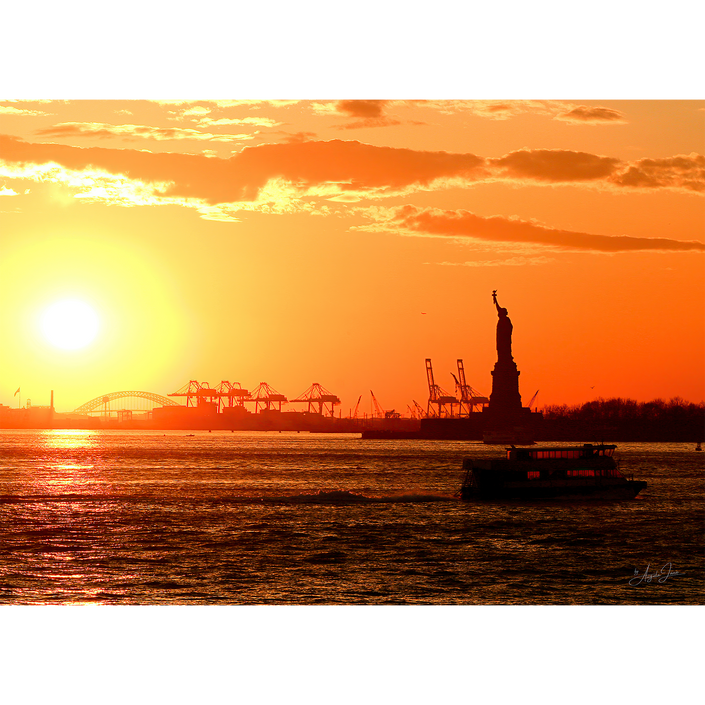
x=69, y=324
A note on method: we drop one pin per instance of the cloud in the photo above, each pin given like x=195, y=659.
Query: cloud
x=256, y=121
x=509, y=262
x=681, y=171
x=555, y=165
x=225, y=101
x=338, y=165
x=370, y=122
x=684, y=171
x=491, y=109
x=14, y=112
x=371, y=113
x=353, y=166
x=4, y=191
x=585, y=114
x=362, y=108
x=132, y=132
x=410, y=220
x=295, y=136
x=336, y=169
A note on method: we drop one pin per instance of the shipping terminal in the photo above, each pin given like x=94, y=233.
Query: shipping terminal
x=465, y=414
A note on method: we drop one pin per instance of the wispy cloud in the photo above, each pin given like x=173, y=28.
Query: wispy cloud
x=509, y=262
x=133, y=132
x=26, y=112
x=375, y=113
x=178, y=102
x=410, y=220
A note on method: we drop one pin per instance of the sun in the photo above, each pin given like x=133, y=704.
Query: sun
x=69, y=324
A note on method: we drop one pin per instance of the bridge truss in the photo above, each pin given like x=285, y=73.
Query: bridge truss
x=140, y=401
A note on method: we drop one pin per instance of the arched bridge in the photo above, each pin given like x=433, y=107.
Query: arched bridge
x=102, y=403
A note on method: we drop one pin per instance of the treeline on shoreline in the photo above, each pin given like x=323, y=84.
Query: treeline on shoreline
x=630, y=420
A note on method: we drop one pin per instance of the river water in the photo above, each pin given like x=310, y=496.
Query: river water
x=179, y=518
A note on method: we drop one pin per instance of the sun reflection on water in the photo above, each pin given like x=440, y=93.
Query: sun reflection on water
x=68, y=438
x=69, y=467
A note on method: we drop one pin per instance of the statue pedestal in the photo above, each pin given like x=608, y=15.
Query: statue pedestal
x=505, y=399
x=507, y=421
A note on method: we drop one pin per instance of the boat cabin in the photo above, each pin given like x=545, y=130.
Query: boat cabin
x=575, y=452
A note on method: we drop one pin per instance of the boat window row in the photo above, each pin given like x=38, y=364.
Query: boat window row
x=551, y=453
x=544, y=454
x=580, y=472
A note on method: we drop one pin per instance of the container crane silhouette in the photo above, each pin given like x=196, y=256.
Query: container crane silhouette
x=357, y=406
x=380, y=413
x=469, y=397
x=266, y=398
x=317, y=395
x=533, y=399
x=197, y=393
x=438, y=396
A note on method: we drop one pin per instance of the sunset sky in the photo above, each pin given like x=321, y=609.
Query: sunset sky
x=345, y=241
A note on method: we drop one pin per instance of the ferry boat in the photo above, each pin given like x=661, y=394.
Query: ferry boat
x=573, y=472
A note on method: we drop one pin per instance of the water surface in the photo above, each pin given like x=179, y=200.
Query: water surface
x=119, y=517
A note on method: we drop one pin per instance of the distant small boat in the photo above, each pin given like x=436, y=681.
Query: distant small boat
x=699, y=446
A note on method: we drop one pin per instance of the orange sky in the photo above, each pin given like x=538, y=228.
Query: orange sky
x=343, y=242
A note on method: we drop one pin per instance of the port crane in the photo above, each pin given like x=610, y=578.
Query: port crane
x=225, y=394
x=266, y=398
x=420, y=413
x=357, y=406
x=533, y=399
x=416, y=412
x=469, y=397
x=197, y=393
x=438, y=396
x=232, y=394
x=380, y=413
x=318, y=395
